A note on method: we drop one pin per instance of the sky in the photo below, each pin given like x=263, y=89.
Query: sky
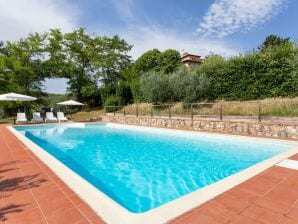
x=226, y=27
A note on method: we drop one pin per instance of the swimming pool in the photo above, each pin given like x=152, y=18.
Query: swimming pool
x=143, y=168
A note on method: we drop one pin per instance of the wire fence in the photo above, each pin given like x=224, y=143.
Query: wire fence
x=253, y=110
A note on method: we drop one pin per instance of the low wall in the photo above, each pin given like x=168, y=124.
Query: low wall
x=266, y=129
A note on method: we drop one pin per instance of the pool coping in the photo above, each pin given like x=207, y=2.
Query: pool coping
x=111, y=212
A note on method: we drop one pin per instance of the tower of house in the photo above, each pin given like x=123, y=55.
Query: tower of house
x=191, y=59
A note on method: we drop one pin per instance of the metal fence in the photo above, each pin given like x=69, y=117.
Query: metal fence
x=253, y=110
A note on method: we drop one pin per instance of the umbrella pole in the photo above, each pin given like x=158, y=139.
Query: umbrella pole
x=16, y=114
x=70, y=113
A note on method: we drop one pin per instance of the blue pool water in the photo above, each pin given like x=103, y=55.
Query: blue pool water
x=143, y=168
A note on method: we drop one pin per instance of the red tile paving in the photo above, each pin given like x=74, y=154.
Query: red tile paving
x=31, y=193
x=268, y=198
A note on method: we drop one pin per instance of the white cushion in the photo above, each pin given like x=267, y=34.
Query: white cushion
x=21, y=117
x=37, y=117
x=50, y=116
x=61, y=117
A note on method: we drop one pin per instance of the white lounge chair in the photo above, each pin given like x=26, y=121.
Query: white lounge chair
x=50, y=117
x=21, y=118
x=36, y=117
x=61, y=117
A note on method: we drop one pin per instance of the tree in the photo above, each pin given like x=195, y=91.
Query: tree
x=3, y=49
x=155, y=87
x=100, y=70
x=295, y=71
x=215, y=69
x=3, y=80
x=153, y=61
x=169, y=61
x=114, y=59
x=22, y=68
x=189, y=85
x=243, y=75
x=24, y=64
x=277, y=70
x=88, y=61
x=256, y=75
x=273, y=41
x=148, y=61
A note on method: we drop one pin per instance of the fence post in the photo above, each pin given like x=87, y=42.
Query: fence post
x=170, y=115
x=259, y=112
x=137, y=110
x=220, y=115
x=124, y=111
x=191, y=113
x=152, y=111
x=114, y=110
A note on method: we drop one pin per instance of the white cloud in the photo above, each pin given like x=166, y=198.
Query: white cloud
x=226, y=17
x=19, y=17
x=124, y=9
x=145, y=38
x=146, y=35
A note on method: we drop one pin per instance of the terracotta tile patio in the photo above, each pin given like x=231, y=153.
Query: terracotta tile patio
x=31, y=193
x=269, y=198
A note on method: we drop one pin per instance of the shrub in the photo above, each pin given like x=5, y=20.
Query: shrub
x=189, y=85
x=112, y=101
x=155, y=87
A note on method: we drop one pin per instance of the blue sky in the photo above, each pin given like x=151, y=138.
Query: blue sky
x=226, y=27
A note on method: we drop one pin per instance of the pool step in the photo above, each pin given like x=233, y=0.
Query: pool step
x=289, y=163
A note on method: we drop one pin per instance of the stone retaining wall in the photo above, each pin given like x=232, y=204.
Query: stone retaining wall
x=267, y=129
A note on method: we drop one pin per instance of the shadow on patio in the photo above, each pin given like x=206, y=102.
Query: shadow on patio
x=12, y=181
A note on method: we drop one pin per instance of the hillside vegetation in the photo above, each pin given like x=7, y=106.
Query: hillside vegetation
x=269, y=107
x=101, y=72
x=279, y=107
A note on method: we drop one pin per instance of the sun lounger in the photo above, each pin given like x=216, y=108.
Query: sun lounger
x=61, y=117
x=37, y=118
x=21, y=118
x=50, y=117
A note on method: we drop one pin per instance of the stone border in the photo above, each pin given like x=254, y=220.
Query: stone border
x=112, y=212
x=252, y=128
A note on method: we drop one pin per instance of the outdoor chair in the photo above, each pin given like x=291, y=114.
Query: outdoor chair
x=61, y=117
x=21, y=118
x=50, y=117
x=37, y=118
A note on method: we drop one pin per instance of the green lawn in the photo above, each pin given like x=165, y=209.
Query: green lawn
x=7, y=120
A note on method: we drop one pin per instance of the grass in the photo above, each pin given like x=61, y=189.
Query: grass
x=7, y=120
x=87, y=115
x=280, y=107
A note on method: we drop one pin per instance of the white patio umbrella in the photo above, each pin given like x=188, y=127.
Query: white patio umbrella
x=16, y=97
x=70, y=103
